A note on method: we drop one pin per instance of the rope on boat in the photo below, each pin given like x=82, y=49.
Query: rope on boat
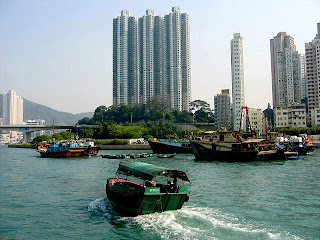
x=157, y=203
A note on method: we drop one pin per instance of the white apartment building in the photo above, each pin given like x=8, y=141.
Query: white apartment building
x=146, y=40
x=238, y=83
x=120, y=58
x=294, y=115
x=12, y=108
x=313, y=72
x=287, y=67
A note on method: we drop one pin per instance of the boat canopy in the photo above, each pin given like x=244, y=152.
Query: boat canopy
x=147, y=171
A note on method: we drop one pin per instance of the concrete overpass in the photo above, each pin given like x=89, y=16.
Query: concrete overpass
x=28, y=129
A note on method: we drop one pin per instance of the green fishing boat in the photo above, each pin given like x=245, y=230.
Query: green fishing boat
x=131, y=198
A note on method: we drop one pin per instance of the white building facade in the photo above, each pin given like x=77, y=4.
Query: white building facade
x=238, y=81
x=294, y=115
x=12, y=108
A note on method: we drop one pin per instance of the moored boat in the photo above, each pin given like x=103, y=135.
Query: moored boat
x=113, y=156
x=170, y=146
x=229, y=147
x=131, y=198
x=67, y=149
x=301, y=145
x=166, y=155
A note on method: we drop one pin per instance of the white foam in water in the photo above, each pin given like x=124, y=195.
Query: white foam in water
x=102, y=207
x=97, y=205
x=203, y=223
x=191, y=223
x=167, y=225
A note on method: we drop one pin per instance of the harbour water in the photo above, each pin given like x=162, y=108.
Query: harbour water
x=43, y=198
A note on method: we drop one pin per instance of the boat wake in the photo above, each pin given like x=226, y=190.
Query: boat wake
x=205, y=223
x=103, y=208
x=190, y=222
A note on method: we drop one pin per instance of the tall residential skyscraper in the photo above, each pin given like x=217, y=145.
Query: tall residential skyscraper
x=238, y=83
x=222, y=110
x=313, y=71
x=120, y=58
x=287, y=68
x=146, y=40
x=185, y=61
x=151, y=57
x=12, y=108
x=133, y=61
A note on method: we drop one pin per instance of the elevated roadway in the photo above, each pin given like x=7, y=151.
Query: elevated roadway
x=28, y=129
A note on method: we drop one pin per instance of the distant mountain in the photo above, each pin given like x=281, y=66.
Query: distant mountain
x=33, y=110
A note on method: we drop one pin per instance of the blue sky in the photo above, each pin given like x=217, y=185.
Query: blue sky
x=59, y=52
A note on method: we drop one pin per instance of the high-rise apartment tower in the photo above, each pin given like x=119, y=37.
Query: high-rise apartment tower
x=287, y=67
x=12, y=108
x=151, y=58
x=313, y=71
x=238, y=83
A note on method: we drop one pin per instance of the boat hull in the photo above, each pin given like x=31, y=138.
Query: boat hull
x=202, y=151
x=166, y=147
x=72, y=152
x=131, y=199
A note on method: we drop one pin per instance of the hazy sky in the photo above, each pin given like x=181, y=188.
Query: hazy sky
x=59, y=52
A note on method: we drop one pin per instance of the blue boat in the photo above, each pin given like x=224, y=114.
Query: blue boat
x=67, y=149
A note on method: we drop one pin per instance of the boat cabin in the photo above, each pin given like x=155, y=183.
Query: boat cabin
x=133, y=198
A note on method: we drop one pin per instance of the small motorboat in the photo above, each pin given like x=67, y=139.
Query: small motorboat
x=166, y=156
x=143, y=155
x=113, y=156
x=144, y=195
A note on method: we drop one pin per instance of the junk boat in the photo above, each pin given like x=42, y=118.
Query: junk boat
x=131, y=198
x=230, y=147
x=67, y=149
x=170, y=146
x=239, y=147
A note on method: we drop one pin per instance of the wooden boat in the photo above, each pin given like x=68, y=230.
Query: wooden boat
x=230, y=148
x=131, y=198
x=166, y=156
x=170, y=146
x=67, y=149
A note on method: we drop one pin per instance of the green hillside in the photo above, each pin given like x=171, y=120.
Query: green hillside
x=33, y=110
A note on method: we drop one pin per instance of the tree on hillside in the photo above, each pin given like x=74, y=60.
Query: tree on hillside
x=198, y=105
x=201, y=110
